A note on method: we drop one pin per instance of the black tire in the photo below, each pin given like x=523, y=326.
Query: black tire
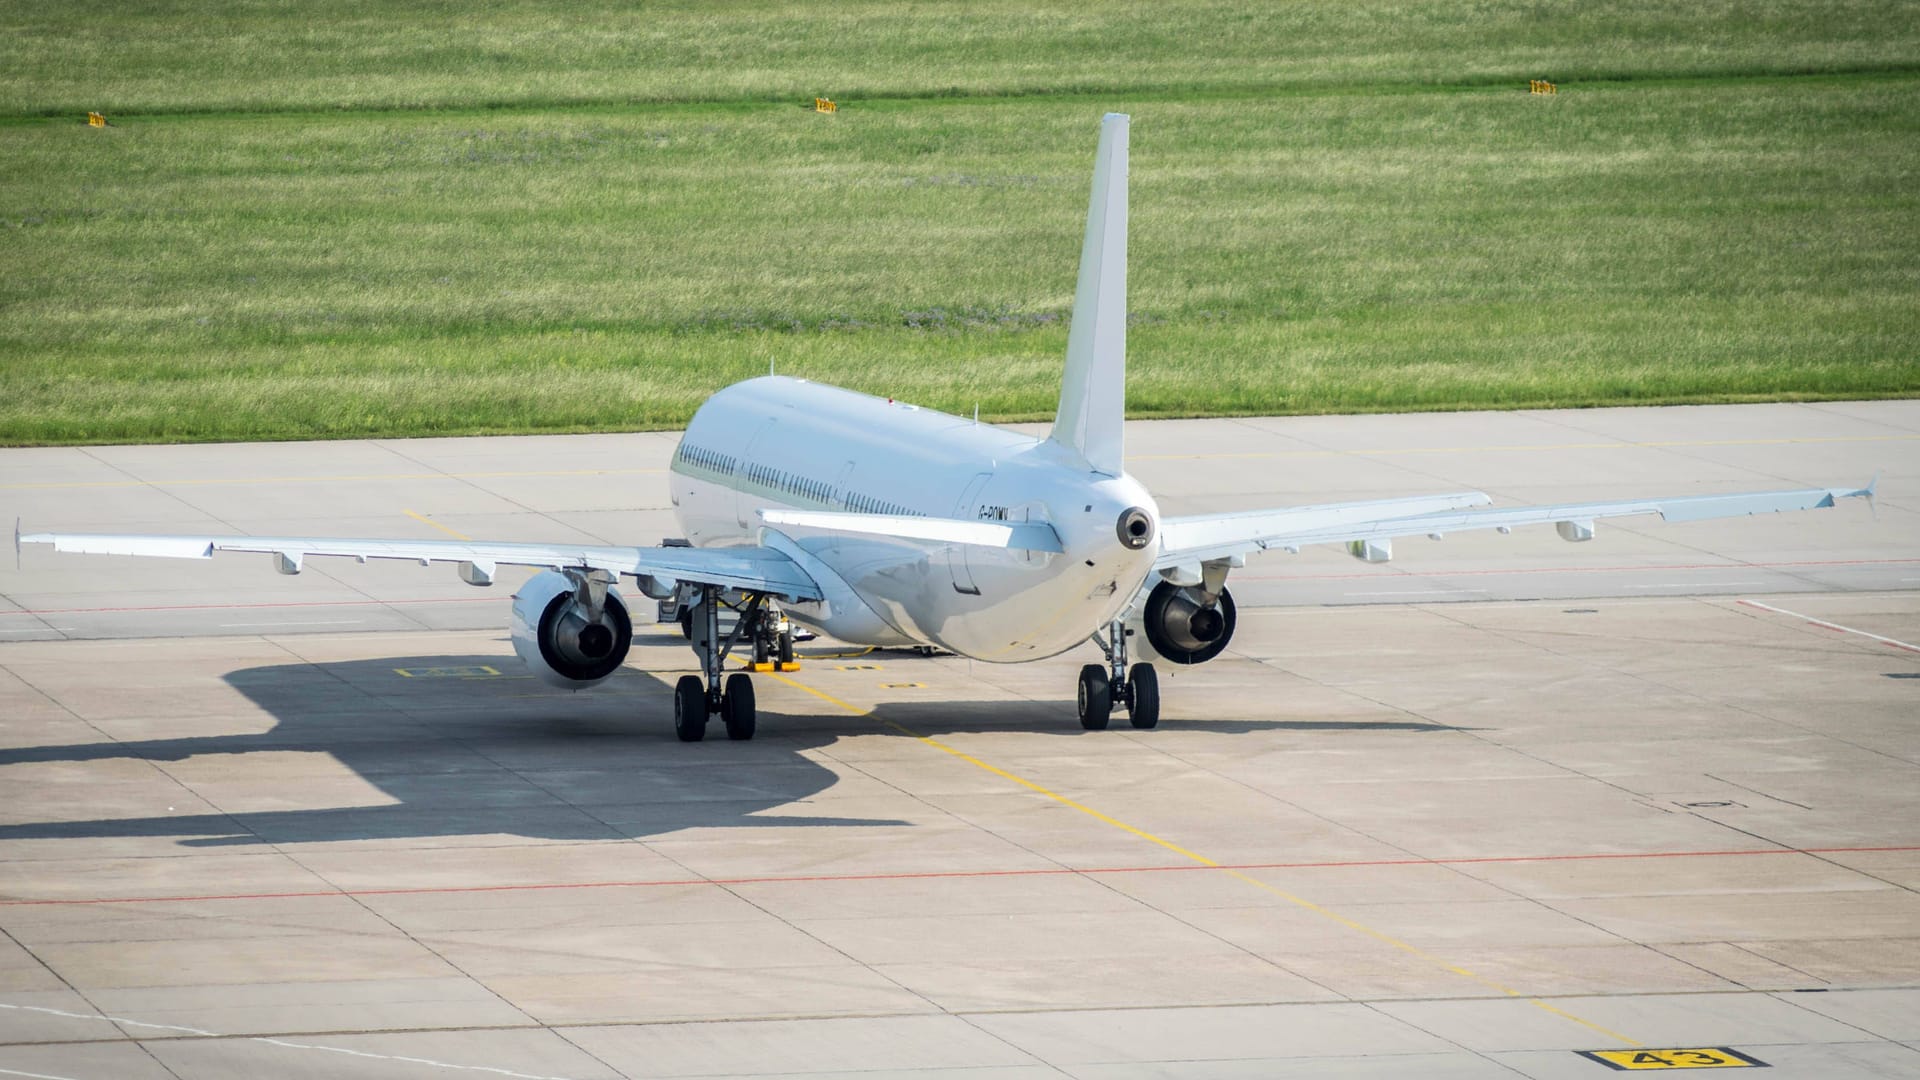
x=686, y=623
x=1096, y=698
x=1143, y=684
x=690, y=708
x=786, y=647
x=736, y=707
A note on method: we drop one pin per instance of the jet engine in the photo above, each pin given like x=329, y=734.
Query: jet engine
x=1185, y=624
x=558, y=633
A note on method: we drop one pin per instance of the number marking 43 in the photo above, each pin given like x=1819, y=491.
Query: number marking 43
x=1716, y=1057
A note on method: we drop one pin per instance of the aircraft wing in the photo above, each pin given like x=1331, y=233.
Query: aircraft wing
x=1190, y=540
x=755, y=569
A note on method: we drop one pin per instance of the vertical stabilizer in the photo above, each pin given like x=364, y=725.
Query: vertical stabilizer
x=1093, y=396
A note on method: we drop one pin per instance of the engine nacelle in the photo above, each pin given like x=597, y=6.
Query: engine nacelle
x=555, y=637
x=1182, y=627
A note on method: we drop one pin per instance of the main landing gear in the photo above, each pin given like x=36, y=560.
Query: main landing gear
x=696, y=698
x=1102, y=688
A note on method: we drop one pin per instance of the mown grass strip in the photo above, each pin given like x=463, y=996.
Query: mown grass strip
x=386, y=218
x=557, y=271
x=237, y=55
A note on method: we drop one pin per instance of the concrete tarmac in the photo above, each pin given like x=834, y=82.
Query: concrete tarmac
x=1466, y=814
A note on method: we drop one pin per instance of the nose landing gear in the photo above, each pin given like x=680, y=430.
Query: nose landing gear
x=1136, y=690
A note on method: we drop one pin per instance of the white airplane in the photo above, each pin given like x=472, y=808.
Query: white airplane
x=886, y=524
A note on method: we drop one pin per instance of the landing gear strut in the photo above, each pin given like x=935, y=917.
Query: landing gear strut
x=698, y=697
x=1101, y=688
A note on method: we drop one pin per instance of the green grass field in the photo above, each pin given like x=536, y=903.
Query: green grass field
x=523, y=217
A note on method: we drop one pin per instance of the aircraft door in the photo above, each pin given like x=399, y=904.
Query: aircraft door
x=967, y=509
x=841, y=487
x=759, y=448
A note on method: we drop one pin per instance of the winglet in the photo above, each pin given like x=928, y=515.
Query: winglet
x=1093, y=396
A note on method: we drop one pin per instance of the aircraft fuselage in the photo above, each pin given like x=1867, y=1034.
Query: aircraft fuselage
x=782, y=443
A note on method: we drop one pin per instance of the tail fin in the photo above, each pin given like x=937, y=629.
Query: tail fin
x=1093, y=396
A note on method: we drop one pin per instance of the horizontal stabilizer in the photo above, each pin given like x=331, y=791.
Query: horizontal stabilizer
x=1014, y=535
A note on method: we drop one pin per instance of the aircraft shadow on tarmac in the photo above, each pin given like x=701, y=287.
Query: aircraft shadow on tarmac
x=468, y=746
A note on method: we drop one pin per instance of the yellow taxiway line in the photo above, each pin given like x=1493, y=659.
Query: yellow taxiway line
x=1302, y=902
x=457, y=535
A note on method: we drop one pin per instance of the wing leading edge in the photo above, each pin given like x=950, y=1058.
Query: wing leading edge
x=756, y=569
x=1223, y=536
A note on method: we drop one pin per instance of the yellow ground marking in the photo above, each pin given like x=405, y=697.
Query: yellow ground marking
x=1659, y=444
x=1706, y=1057
x=1302, y=902
x=457, y=535
x=369, y=478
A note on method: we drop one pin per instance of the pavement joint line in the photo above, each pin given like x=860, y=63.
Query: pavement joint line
x=1204, y=861
x=60, y=485
x=271, y=1041
x=455, y=533
x=1824, y=624
x=1030, y=1010
x=240, y=607
x=293, y=622
x=802, y=879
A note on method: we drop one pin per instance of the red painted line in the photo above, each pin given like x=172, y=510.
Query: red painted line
x=1184, y=868
x=249, y=607
x=1580, y=570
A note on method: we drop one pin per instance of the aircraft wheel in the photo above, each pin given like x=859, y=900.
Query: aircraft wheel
x=736, y=707
x=1096, y=698
x=690, y=708
x=1144, y=686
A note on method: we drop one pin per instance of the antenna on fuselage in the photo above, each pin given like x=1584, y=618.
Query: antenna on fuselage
x=1093, y=395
